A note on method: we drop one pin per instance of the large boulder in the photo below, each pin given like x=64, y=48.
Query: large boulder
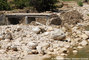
x=58, y=34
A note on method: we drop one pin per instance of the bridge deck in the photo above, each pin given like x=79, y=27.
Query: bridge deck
x=28, y=14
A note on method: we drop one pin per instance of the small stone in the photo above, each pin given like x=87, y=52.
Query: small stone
x=64, y=50
x=8, y=36
x=34, y=52
x=46, y=33
x=63, y=54
x=7, y=40
x=79, y=47
x=67, y=46
x=44, y=45
x=75, y=51
x=74, y=48
x=14, y=48
x=39, y=49
x=49, y=29
x=83, y=43
x=68, y=39
x=84, y=36
x=2, y=51
x=36, y=30
x=32, y=45
x=88, y=40
x=63, y=29
x=87, y=33
x=17, y=43
x=18, y=29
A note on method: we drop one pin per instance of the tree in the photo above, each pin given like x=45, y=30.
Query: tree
x=44, y=5
x=4, y=5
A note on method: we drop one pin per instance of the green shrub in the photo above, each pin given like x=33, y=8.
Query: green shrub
x=44, y=5
x=67, y=0
x=4, y=5
x=80, y=3
x=20, y=4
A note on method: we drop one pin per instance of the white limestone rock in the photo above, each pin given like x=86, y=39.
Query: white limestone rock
x=34, y=52
x=2, y=51
x=36, y=30
x=46, y=33
x=17, y=43
x=8, y=36
x=84, y=43
x=44, y=45
x=49, y=29
x=63, y=54
x=84, y=36
x=87, y=33
x=79, y=47
x=14, y=48
x=32, y=45
x=58, y=34
x=1, y=37
x=39, y=49
x=75, y=51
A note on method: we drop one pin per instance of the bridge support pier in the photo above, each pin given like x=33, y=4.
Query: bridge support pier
x=26, y=19
x=47, y=22
x=29, y=19
x=7, y=21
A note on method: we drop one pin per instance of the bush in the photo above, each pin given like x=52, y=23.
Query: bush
x=80, y=3
x=20, y=4
x=44, y=5
x=4, y=5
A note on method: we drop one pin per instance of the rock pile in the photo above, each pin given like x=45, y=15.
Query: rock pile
x=71, y=17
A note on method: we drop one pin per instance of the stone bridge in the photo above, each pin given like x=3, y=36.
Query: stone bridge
x=9, y=17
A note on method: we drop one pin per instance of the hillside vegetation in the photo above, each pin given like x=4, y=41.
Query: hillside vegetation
x=39, y=5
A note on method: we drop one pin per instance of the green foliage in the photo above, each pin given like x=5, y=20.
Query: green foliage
x=4, y=5
x=71, y=0
x=80, y=3
x=21, y=3
x=67, y=0
x=39, y=5
x=44, y=5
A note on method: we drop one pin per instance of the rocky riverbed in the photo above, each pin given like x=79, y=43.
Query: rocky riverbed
x=19, y=41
